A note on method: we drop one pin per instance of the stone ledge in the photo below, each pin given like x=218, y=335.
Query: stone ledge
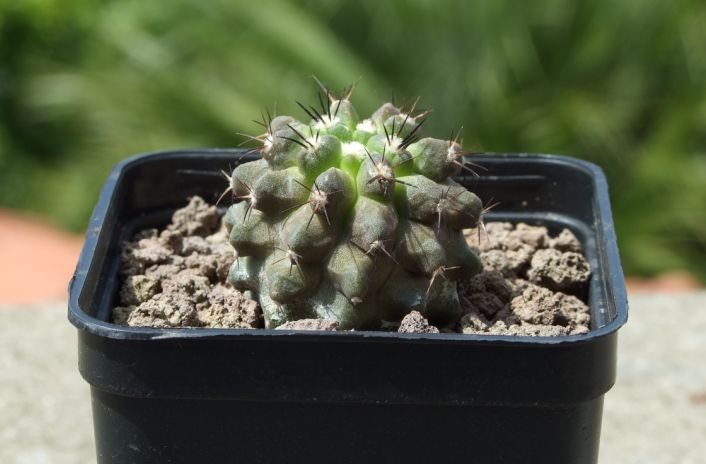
x=656, y=413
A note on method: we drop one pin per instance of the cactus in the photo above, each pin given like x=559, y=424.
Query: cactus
x=354, y=220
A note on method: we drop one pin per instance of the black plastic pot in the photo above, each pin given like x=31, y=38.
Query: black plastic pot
x=261, y=396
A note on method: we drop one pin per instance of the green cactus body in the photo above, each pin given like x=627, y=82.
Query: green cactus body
x=356, y=220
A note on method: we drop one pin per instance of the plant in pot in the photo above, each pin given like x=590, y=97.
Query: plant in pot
x=351, y=225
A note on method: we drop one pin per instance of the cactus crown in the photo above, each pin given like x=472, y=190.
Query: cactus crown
x=350, y=219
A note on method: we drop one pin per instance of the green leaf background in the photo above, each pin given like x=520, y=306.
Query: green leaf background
x=622, y=83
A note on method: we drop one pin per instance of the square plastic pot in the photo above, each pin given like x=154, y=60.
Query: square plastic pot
x=265, y=396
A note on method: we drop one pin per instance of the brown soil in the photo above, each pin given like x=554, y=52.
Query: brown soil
x=176, y=278
x=414, y=322
x=311, y=324
x=530, y=283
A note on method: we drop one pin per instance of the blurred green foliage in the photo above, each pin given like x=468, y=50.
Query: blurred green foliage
x=620, y=82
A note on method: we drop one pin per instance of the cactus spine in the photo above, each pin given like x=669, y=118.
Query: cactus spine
x=356, y=220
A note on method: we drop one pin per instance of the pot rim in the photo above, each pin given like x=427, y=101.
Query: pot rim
x=614, y=285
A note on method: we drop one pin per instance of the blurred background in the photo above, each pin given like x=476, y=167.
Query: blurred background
x=622, y=83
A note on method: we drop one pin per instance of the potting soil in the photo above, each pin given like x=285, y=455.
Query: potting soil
x=531, y=283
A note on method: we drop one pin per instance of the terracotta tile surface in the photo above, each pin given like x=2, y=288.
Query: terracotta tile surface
x=669, y=282
x=36, y=260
